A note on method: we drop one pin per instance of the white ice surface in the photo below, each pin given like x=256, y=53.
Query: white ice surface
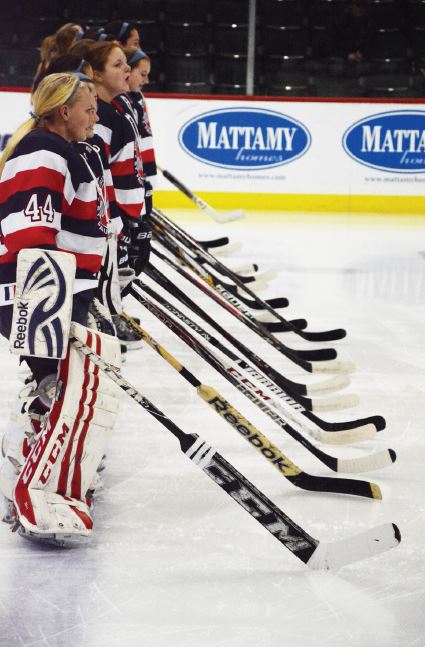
x=174, y=562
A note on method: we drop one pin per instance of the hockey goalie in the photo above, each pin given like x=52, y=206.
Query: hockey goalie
x=57, y=437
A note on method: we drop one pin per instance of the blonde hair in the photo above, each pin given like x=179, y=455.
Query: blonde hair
x=54, y=91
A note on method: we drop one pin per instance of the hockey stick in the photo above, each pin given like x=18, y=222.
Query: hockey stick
x=246, y=317
x=222, y=217
x=185, y=239
x=214, y=243
x=317, y=555
x=276, y=303
x=295, y=389
x=324, y=367
x=232, y=295
x=365, y=428
x=251, y=433
x=364, y=432
x=334, y=384
x=243, y=314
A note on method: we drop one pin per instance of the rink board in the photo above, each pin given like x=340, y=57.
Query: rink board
x=266, y=153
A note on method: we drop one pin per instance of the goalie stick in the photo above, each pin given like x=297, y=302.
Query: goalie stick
x=222, y=217
x=362, y=432
x=257, y=397
x=160, y=219
x=317, y=555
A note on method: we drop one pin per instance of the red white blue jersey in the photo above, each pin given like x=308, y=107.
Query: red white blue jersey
x=50, y=199
x=138, y=103
x=124, y=160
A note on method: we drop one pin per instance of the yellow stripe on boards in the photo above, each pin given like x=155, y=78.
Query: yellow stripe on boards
x=385, y=204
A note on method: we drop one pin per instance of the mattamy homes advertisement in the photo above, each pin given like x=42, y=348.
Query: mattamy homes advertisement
x=282, y=154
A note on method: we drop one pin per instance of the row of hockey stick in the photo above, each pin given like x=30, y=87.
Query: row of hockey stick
x=280, y=401
x=287, y=402
x=290, y=408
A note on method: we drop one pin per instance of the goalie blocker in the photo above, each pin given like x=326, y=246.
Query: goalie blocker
x=43, y=303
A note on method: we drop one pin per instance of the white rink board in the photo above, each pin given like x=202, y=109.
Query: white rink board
x=325, y=168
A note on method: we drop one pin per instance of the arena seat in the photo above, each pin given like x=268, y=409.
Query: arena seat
x=192, y=12
x=229, y=12
x=230, y=40
x=287, y=13
x=187, y=38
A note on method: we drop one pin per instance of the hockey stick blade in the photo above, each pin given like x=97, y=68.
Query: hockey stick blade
x=336, y=404
x=368, y=463
x=246, y=269
x=231, y=248
x=215, y=243
x=348, y=437
x=332, y=556
x=224, y=216
x=327, y=335
x=333, y=367
x=276, y=303
x=340, y=381
x=377, y=422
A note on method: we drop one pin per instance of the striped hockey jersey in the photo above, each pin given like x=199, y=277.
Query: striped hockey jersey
x=50, y=199
x=138, y=103
x=124, y=160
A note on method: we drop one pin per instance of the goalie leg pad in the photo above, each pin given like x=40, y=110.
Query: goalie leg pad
x=71, y=446
x=20, y=435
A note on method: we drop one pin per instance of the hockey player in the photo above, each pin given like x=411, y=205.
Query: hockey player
x=125, y=33
x=134, y=105
x=140, y=65
x=122, y=140
x=50, y=216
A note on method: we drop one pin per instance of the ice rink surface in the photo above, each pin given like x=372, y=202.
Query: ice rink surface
x=174, y=561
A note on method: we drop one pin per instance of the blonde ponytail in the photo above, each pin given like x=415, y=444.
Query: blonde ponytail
x=53, y=91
